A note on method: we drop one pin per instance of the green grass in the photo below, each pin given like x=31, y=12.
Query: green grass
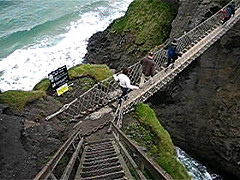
x=43, y=85
x=94, y=71
x=148, y=20
x=17, y=99
x=150, y=133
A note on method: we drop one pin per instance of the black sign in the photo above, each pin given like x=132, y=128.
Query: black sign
x=58, y=77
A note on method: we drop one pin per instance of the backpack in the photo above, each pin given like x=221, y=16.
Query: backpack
x=228, y=11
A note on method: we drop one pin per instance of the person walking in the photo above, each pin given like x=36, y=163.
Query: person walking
x=148, y=68
x=172, y=53
x=227, y=13
x=125, y=84
x=232, y=6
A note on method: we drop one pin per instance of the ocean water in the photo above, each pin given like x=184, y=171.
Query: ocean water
x=38, y=36
x=195, y=168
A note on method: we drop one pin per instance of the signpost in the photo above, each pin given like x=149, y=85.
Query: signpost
x=59, y=79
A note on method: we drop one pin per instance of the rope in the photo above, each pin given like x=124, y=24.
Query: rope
x=105, y=91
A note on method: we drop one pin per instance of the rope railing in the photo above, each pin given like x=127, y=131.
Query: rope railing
x=104, y=92
x=163, y=78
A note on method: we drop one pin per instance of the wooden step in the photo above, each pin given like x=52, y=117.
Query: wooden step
x=100, y=166
x=114, y=175
x=99, y=172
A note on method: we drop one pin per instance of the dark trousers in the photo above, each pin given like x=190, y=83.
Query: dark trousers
x=171, y=60
x=123, y=95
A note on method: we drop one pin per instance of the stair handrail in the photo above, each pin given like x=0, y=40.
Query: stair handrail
x=144, y=162
x=47, y=170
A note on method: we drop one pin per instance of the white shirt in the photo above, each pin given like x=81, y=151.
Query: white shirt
x=124, y=81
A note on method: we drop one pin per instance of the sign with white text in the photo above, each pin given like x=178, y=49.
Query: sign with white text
x=58, y=77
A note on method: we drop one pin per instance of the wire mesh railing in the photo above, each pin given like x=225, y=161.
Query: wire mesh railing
x=104, y=92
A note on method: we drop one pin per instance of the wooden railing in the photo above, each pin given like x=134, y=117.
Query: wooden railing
x=140, y=162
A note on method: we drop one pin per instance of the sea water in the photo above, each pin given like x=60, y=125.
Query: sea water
x=195, y=168
x=39, y=36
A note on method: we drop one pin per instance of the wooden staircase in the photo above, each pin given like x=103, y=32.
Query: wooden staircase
x=102, y=160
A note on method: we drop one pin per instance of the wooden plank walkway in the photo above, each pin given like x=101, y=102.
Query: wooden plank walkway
x=162, y=78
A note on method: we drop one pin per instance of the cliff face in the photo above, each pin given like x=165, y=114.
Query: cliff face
x=201, y=108
x=145, y=25
x=192, y=13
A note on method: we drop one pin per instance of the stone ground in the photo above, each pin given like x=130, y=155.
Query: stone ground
x=28, y=141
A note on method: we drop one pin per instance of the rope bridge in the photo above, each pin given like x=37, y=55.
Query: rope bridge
x=192, y=44
x=111, y=158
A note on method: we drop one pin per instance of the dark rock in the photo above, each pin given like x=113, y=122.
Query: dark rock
x=202, y=109
x=3, y=107
x=112, y=49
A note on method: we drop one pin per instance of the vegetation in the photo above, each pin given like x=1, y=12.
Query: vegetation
x=17, y=99
x=150, y=134
x=94, y=71
x=149, y=21
x=43, y=85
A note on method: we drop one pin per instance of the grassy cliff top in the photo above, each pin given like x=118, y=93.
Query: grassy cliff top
x=17, y=99
x=148, y=20
x=150, y=133
x=97, y=72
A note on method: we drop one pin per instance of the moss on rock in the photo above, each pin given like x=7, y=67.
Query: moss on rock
x=149, y=133
x=95, y=71
x=17, y=99
x=43, y=85
x=98, y=72
x=149, y=21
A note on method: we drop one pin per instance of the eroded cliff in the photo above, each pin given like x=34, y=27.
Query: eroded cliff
x=201, y=108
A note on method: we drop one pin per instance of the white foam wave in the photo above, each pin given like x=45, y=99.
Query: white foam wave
x=27, y=66
x=194, y=168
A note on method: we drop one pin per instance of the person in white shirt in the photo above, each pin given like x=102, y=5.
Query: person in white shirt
x=124, y=83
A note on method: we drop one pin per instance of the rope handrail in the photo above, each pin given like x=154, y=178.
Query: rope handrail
x=104, y=92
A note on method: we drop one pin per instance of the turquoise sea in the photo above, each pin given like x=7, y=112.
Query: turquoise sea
x=38, y=36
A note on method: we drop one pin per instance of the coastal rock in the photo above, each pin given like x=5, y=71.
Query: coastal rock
x=201, y=108
x=112, y=49
x=190, y=14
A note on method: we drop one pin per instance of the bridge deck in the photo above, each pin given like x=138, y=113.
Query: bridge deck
x=163, y=77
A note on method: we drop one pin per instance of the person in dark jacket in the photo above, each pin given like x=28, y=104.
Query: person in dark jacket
x=148, y=68
x=172, y=53
x=232, y=6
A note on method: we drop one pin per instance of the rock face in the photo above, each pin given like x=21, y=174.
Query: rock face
x=201, y=109
x=26, y=140
x=112, y=49
x=192, y=13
